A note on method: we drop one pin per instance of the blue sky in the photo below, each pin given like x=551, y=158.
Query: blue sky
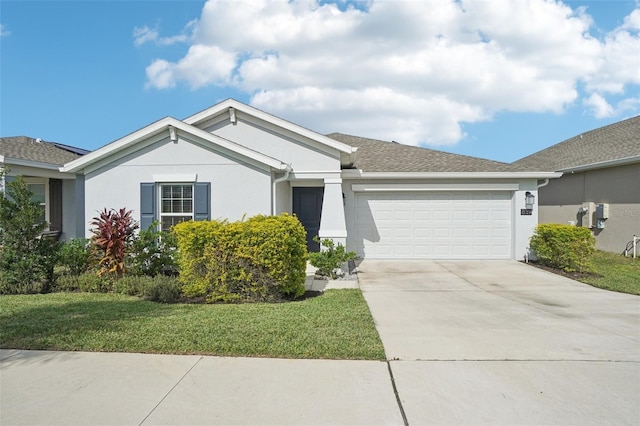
x=495, y=79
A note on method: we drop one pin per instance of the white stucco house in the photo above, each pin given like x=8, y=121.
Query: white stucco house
x=380, y=199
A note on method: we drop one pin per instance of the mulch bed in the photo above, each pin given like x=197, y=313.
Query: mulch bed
x=578, y=276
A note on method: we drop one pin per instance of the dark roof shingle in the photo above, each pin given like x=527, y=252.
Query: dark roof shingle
x=612, y=142
x=379, y=156
x=26, y=148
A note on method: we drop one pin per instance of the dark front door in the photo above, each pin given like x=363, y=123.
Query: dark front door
x=307, y=205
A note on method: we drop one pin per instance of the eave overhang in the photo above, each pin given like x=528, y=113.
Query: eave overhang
x=359, y=174
x=603, y=164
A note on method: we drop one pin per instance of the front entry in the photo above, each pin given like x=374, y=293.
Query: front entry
x=307, y=205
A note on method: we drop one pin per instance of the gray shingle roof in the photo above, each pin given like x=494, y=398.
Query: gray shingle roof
x=26, y=148
x=379, y=156
x=612, y=142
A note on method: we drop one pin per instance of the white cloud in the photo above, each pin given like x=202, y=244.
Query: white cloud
x=411, y=71
x=4, y=32
x=201, y=66
x=144, y=34
x=599, y=106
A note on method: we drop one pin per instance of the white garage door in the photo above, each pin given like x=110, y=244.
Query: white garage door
x=434, y=225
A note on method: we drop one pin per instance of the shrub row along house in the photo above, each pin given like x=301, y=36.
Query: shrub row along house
x=380, y=199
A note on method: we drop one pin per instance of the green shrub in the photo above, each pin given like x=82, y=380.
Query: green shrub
x=163, y=289
x=153, y=252
x=26, y=259
x=159, y=288
x=262, y=258
x=565, y=247
x=330, y=259
x=74, y=256
x=88, y=282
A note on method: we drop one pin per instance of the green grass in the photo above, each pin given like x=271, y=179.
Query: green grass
x=335, y=325
x=615, y=272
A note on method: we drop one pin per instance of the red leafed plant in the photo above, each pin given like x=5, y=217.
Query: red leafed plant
x=112, y=235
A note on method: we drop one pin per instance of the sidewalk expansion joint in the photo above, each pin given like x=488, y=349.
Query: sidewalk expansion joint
x=169, y=392
x=395, y=392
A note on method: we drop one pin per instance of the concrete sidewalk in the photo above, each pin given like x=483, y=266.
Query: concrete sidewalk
x=80, y=388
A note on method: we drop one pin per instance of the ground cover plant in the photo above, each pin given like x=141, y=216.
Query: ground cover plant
x=336, y=325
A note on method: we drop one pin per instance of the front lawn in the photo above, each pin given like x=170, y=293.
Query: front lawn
x=614, y=272
x=335, y=325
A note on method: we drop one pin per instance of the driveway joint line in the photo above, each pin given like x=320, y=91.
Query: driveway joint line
x=395, y=391
x=170, y=390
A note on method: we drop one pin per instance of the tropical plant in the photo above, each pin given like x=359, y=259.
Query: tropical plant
x=112, y=236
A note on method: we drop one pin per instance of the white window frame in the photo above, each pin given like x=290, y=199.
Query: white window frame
x=161, y=214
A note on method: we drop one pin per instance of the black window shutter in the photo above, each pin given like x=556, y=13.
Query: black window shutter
x=55, y=204
x=202, y=201
x=147, y=204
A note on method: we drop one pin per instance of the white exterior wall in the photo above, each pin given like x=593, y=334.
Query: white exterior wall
x=237, y=189
x=302, y=157
x=522, y=226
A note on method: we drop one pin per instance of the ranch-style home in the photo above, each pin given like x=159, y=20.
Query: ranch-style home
x=381, y=199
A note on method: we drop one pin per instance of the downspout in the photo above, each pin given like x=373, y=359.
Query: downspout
x=287, y=170
x=545, y=183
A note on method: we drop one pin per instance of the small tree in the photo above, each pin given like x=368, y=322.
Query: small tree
x=26, y=259
x=112, y=237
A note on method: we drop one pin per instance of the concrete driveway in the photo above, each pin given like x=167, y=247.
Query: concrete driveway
x=504, y=343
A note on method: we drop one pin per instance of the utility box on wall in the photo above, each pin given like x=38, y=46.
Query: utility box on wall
x=602, y=214
x=602, y=211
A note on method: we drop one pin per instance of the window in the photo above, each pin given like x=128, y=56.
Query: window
x=39, y=190
x=176, y=204
x=172, y=203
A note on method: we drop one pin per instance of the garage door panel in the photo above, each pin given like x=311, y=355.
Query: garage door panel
x=435, y=225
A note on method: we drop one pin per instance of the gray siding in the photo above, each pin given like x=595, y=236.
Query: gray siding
x=617, y=186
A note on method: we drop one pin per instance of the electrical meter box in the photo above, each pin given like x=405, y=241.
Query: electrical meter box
x=602, y=211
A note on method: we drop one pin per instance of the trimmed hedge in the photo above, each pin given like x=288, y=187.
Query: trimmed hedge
x=565, y=247
x=260, y=259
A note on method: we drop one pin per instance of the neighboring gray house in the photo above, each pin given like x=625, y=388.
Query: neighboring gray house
x=381, y=199
x=600, y=186
x=39, y=162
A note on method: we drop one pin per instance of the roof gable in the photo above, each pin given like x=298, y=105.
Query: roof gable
x=229, y=106
x=167, y=126
x=603, y=146
x=36, y=150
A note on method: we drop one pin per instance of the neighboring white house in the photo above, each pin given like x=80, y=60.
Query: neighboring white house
x=381, y=199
